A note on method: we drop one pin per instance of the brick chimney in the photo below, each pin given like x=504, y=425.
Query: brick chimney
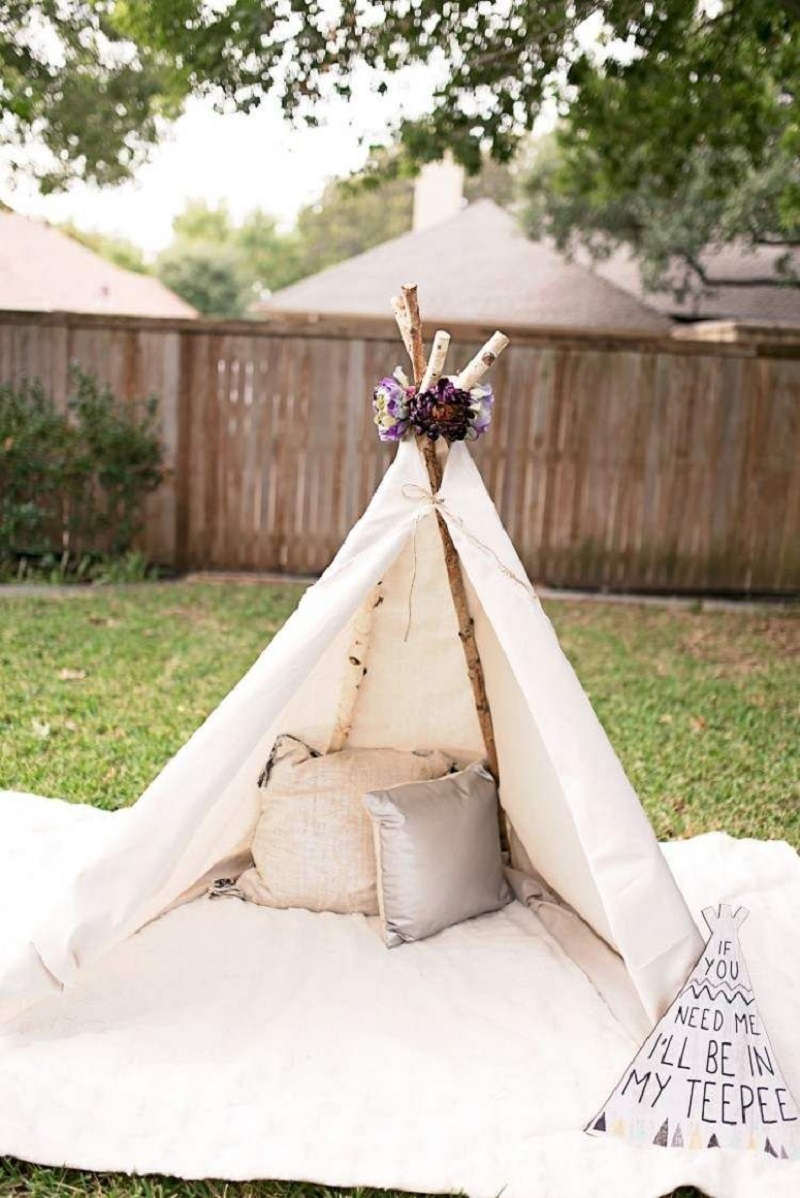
x=438, y=193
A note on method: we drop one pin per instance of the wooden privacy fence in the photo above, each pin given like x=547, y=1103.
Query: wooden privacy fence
x=616, y=460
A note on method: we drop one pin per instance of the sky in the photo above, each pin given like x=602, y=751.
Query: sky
x=248, y=161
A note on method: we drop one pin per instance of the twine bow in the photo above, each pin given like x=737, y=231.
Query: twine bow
x=417, y=493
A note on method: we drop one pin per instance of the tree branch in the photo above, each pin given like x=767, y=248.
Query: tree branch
x=708, y=280
x=765, y=281
x=778, y=242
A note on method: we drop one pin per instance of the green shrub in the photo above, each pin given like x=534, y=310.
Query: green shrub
x=32, y=447
x=131, y=567
x=100, y=569
x=72, y=482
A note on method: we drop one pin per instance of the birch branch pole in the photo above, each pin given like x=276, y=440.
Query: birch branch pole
x=425, y=375
x=414, y=330
x=355, y=671
x=433, y=371
x=398, y=305
x=483, y=360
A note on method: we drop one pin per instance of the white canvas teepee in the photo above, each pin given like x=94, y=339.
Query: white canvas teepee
x=574, y=814
x=143, y=1031
x=707, y=1076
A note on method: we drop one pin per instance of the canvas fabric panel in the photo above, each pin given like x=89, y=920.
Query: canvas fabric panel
x=191, y=816
x=416, y=693
x=629, y=875
x=530, y=789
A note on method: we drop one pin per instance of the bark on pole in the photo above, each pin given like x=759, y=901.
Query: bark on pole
x=433, y=371
x=483, y=360
x=355, y=670
x=414, y=330
x=400, y=311
x=466, y=626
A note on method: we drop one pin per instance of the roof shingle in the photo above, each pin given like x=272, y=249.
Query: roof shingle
x=42, y=269
x=740, y=300
x=477, y=267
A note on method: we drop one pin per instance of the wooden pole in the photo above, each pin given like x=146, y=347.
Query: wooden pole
x=485, y=357
x=433, y=371
x=414, y=331
x=355, y=671
x=398, y=305
x=466, y=625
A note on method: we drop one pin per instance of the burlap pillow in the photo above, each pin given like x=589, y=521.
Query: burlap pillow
x=313, y=844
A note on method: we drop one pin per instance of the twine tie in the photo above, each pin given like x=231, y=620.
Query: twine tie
x=416, y=493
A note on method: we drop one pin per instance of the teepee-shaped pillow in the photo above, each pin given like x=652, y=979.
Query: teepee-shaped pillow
x=707, y=1075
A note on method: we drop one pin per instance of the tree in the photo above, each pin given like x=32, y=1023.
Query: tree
x=498, y=181
x=671, y=77
x=207, y=275
x=691, y=142
x=200, y=222
x=720, y=73
x=669, y=234
x=499, y=59
x=273, y=259
x=78, y=100
x=351, y=217
x=356, y=213
x=118, y=250
x=100, y=84
x=222, y=268
x=717, y=81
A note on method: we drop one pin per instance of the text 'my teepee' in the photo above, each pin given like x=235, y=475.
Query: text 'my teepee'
x=707, y=1075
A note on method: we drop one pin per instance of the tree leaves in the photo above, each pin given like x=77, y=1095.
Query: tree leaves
x=689, y=140
x=680, y=120
x=74, y=86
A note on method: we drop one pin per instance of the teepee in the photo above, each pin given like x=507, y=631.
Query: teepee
x=707, y=1075
x=423, y=633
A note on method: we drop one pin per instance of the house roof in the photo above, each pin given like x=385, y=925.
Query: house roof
x=42, y=269
x=476, y=267
x=735, y=298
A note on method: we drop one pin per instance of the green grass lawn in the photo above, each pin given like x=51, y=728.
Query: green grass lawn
x=99, y=688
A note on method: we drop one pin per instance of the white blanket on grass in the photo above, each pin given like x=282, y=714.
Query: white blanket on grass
x=231, y=1041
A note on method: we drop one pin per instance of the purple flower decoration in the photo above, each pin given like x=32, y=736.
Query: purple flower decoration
x=443, y=410
x=446, y=410
x=390, y=403
x=482, y=401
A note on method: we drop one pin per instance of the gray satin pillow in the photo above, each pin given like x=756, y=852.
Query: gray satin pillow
x=438, y=850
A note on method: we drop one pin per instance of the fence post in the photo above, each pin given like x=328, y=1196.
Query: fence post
x=183, y=456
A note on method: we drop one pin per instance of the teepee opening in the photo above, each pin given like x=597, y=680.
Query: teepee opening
x=407, y=622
